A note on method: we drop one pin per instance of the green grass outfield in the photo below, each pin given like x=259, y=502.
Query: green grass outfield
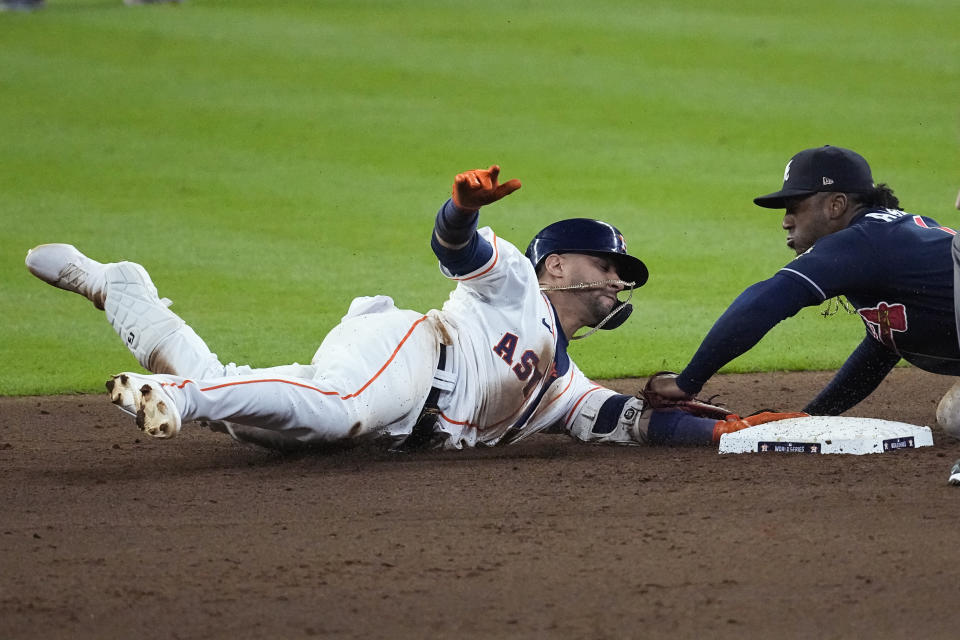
x=268, y=161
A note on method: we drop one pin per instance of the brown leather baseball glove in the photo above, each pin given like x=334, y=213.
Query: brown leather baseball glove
x=692, y=405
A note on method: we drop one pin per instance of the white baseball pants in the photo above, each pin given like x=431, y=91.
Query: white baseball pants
x=370, y=376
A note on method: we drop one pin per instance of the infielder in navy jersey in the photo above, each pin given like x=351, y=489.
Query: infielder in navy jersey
x=853, y=240
x=490, y=367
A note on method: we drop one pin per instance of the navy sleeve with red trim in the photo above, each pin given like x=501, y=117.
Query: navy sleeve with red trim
x=896, y=270
x=838, y=264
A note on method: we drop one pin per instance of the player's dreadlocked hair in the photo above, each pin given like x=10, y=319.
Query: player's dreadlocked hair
x=881, y=196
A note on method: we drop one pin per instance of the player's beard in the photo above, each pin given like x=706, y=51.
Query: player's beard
x=598, y=307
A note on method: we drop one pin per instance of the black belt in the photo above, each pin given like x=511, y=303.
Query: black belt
x=425, y=430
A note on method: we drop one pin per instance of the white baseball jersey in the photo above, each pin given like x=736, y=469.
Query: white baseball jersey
x=510, y=380
x=507, y=374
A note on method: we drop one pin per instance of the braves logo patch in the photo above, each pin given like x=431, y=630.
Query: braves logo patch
x=883, y=320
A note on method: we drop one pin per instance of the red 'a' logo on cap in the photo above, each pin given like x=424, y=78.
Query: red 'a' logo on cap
x=883, y=320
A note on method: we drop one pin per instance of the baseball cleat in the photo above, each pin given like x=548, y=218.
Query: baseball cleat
x=156, y=413
x=954, y=478
x=63, y=266
x=123, y=394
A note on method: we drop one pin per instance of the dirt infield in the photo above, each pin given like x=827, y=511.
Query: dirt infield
x=108, y=535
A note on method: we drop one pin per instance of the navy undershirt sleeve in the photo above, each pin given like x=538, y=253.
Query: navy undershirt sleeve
x=863, y=371
x=672, y=427
x=755, y=311
x=456, y=226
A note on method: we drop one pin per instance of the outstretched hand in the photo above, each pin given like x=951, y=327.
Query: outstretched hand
x=665, y=385
x=479, y=187
x=662, y=392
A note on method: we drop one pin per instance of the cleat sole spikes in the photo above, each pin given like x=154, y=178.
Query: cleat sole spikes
x=155, y=412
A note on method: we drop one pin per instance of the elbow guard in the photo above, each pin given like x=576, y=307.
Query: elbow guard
x=613, y=418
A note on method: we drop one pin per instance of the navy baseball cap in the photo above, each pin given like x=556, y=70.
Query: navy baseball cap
x=822, y=169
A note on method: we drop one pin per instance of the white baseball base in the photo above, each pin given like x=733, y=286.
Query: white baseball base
x=827, y=434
